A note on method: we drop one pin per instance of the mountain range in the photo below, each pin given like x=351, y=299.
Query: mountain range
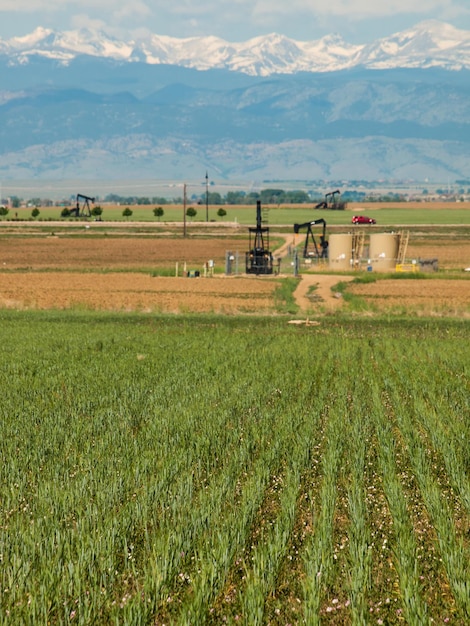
x=429, y=44
x=80, y=104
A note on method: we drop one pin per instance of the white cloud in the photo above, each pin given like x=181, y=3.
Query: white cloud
x=51, y=5
x=351, y=8
x=135, y=11
x=85, y=21
x=234, y=20
x=307, y=16
x=194, y=8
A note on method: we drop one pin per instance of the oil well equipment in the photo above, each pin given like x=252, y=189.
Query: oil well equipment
x=311, y=248
x=332, y=201
x=82, y=207
x=258, y=259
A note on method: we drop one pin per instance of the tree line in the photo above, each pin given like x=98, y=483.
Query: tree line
x=266, y=196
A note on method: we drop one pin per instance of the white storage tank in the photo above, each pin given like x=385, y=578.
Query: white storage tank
x=383, y=251
x=340, y=251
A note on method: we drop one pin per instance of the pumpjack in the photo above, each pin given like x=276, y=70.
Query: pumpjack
x=259, y=260
x=83, y=209
x=311, y=249
x=331, y=202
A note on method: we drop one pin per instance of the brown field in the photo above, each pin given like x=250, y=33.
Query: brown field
x=115, y=273
x=150, y=253
x=126, y=291
x=437, y=205
x=433, y=296
x=112, y=253
x=452, y=254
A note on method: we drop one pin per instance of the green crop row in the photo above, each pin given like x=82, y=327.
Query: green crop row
x=209, y=469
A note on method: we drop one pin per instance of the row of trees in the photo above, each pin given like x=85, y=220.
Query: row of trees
x=5, y=210
x=159, y=212
x=113, y=198
x=97, y=212
x=267, y=196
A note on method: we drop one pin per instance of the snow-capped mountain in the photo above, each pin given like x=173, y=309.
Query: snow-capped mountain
x=80, y=104
x=428, y=44
x=64, y=46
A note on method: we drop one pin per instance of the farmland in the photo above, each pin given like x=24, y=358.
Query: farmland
x=135, y=270
x=213, y=469
x=175, y=452
x=386, y=214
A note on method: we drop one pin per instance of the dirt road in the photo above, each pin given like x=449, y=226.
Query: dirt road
x=305, y=296
x=322, y=296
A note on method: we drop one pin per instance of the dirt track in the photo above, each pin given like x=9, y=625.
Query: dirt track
x=322, y=296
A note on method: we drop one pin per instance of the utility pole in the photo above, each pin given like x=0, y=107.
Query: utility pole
x=207, y=197
x=184, y=210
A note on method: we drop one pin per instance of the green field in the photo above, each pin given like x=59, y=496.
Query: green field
x=209, y=470
x=283, y=215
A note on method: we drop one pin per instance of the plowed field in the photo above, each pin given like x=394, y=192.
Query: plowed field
x=114, y=273
x=126, y=291
x=112, y=253
x=432, y=296
x=450, y=254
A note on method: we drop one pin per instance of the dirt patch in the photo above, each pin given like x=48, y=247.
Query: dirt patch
x=316, y=291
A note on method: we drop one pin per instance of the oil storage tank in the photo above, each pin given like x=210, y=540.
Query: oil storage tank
x=340, y=251
x=383, y=251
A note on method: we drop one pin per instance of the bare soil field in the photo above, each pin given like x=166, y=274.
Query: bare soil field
x=451, y=254
x=432, y=296
x=112, y=253
x=430, y=206
x=114, y=273
x=127, y=291
x=146, y=252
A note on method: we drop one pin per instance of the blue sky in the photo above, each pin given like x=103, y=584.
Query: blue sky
x=358, y=21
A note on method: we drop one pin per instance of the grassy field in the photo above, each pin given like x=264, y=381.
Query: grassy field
x=386, y=215
x=211, y=469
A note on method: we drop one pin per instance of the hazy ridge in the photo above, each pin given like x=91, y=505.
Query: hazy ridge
x=91, y=115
